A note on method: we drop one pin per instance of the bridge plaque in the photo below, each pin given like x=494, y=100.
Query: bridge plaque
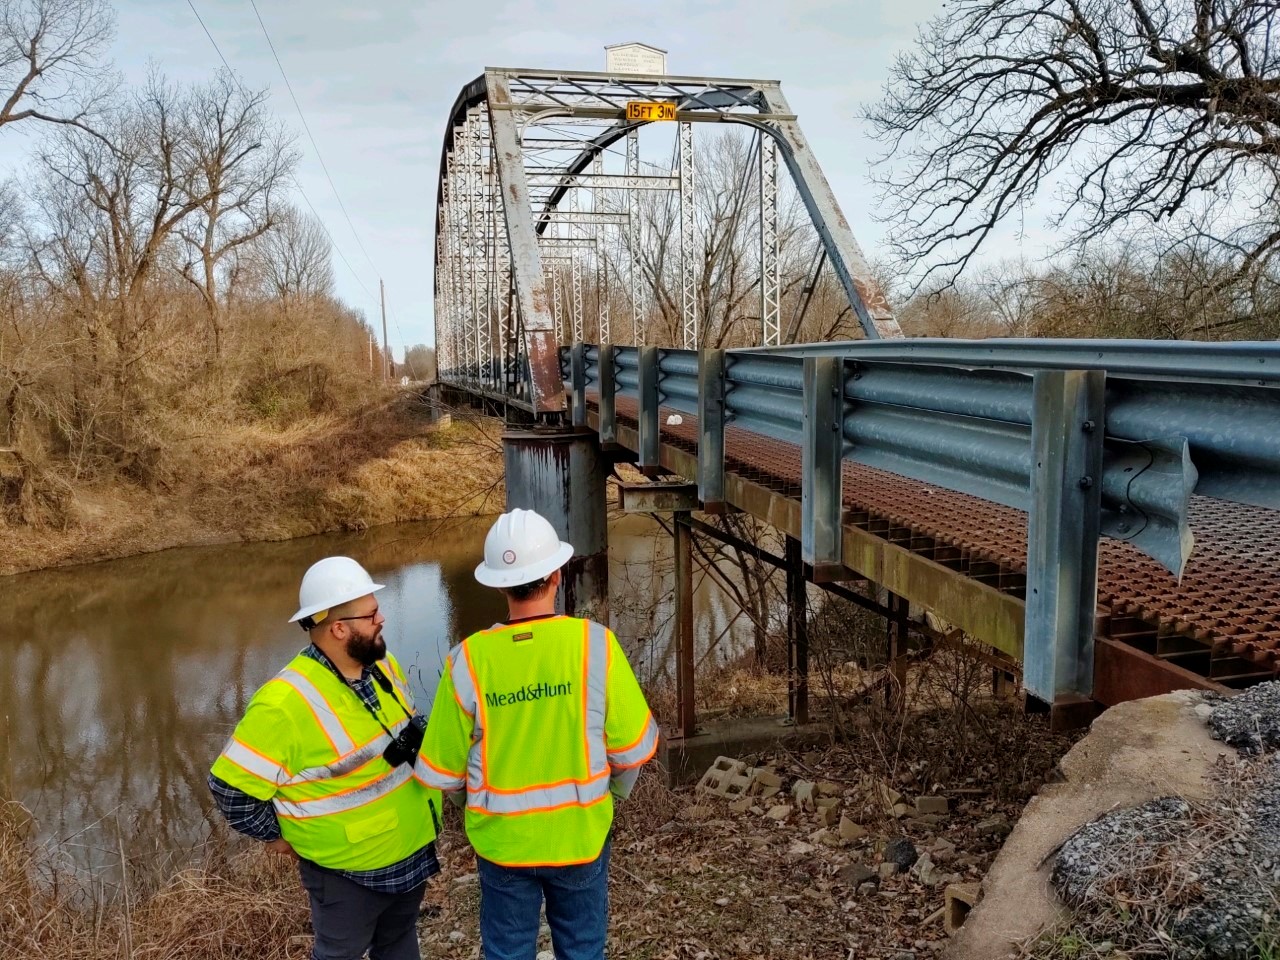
x=635, y=58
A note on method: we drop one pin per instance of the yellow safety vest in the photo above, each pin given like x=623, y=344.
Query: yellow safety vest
x=533, y=719
x=310, y=746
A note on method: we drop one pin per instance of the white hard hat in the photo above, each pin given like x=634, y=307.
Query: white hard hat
x=521, y=547
x=331, y=582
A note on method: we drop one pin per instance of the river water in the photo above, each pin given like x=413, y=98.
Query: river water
x=123, y=679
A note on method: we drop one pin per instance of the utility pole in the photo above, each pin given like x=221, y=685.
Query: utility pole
x=372, y=369
x=386, y=353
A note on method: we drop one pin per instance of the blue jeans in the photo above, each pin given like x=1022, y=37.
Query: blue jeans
x=577, y=909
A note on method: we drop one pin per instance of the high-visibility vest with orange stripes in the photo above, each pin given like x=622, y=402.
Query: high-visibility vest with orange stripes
x=310, y=746
x=532, y=719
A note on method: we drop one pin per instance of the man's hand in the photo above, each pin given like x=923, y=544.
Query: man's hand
x=281, y=848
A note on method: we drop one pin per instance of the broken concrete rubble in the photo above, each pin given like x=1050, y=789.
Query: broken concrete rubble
x=931, y=805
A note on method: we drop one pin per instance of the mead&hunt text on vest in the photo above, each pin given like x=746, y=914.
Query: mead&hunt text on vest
x=529, y=693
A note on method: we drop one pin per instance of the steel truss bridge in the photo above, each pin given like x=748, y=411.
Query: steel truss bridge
x=1106, y=512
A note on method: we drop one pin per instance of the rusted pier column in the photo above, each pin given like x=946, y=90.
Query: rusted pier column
x=558, y=472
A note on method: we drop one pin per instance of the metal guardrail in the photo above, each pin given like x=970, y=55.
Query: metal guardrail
x=1089, y=438
x=1241, y=360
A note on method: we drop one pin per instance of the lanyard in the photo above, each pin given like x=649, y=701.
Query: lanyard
x=382, y=682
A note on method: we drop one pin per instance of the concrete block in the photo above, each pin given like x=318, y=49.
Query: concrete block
x=780, y=812
x=958, y=900
x=900, y=810
x=764, y=783
x=828, y=816
x=932, y=805
x=725, y=778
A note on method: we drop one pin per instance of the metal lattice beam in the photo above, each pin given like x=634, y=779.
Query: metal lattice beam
x=688, y=237
x=770, y=308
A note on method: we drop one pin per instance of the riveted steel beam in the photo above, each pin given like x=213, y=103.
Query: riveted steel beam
x=867, y=300
x=540, y=344
x=661, y=497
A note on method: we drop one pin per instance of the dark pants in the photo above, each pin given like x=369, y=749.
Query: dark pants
x=577, y=909
x=349, y=919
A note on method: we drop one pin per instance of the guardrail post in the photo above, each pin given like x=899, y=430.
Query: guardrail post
x=1062, y=537
x=711, y=430
x=578, y=380
x=821, y=501
x=608, y=390
x=647, y=415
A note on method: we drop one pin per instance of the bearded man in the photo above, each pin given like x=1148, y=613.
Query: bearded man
x=324, y=769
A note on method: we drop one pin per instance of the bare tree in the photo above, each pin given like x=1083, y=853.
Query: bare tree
x=241, y=163
x=49, y=58
x=1132, y=111
x=295, y=257
x=726, y=247
x=112, y=204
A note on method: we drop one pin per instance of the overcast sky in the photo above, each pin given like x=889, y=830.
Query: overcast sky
x=376, y=79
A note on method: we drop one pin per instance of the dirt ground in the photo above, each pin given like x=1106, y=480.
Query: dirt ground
x=694, y=879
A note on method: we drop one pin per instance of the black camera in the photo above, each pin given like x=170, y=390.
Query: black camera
x=404, y=748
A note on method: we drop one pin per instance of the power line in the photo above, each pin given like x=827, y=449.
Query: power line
x=301, y=190
x=218, y=49
x=316, y=146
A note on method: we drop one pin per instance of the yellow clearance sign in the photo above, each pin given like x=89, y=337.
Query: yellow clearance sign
x=650, y=110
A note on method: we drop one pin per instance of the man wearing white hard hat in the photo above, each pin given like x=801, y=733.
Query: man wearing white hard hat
x=324, y=769
x=538, y=723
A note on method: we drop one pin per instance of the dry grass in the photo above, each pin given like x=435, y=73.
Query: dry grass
x=249, y=906
x=254, y=481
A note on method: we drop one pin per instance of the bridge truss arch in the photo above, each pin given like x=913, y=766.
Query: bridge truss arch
x=538, y=222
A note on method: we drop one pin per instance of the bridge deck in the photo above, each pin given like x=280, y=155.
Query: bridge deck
x=1221, y=622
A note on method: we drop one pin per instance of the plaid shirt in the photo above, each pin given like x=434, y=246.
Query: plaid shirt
x=257, y=818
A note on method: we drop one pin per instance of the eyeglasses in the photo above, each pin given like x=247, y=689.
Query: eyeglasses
x=366, y=616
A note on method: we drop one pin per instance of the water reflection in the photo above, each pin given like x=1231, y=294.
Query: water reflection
x=124, y=678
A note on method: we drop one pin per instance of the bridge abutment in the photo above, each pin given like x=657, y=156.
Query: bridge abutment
x=559, y=472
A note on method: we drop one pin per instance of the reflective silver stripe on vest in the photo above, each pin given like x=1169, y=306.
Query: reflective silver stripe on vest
x=342, y=802
x=352, y=761
x=328, y=720
x=642, y=751
x=597, y=670
x=432, y=777
x=255, y=763
x=469, y=697
x=538, y=798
